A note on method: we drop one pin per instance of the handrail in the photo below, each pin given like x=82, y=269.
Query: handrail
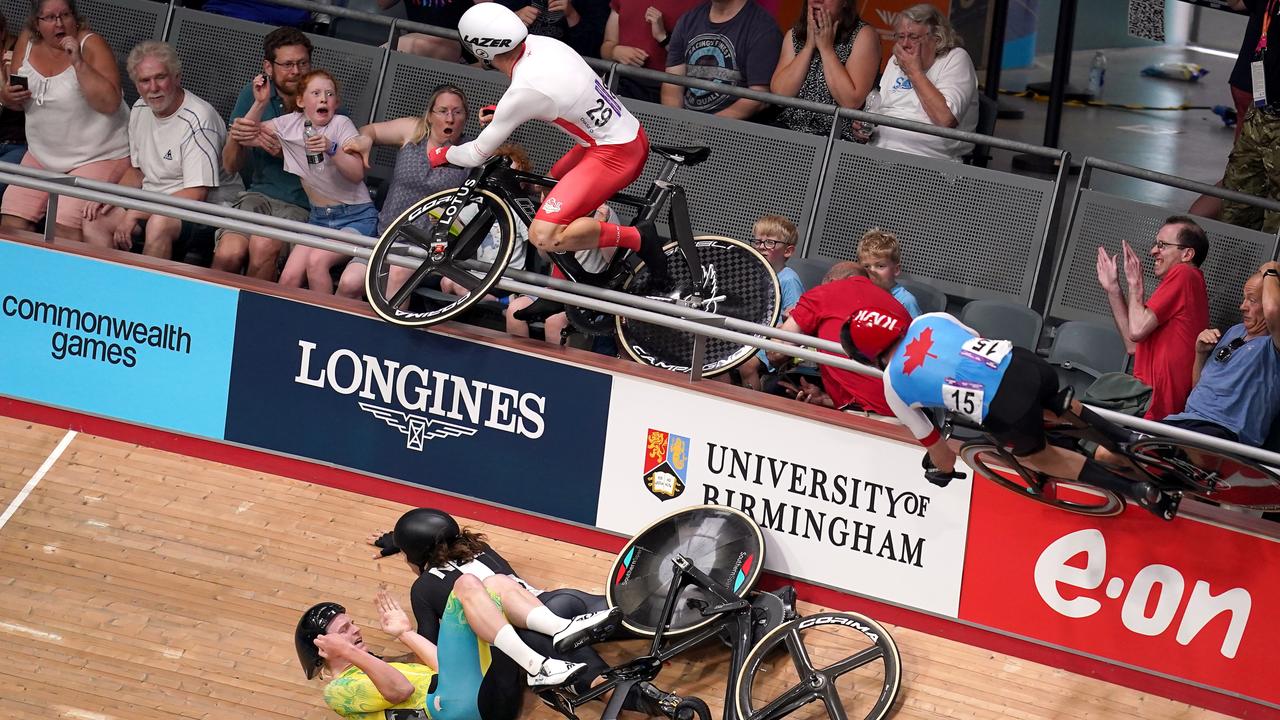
x=1181, y=183
x=683, y=319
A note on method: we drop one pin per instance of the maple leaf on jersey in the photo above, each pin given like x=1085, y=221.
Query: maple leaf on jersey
x=917, y=350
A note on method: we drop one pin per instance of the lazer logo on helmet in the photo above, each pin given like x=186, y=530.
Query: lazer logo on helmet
x=422, y=404
x=487, y=42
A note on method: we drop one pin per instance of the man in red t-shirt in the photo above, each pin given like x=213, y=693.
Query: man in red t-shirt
x=1161, y=333
x=821, y=311
x=636, y=34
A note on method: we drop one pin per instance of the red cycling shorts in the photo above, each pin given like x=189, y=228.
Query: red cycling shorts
x=589, y=176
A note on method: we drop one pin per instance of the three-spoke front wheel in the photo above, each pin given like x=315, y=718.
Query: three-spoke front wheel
x=837, y=665
x=480, y=240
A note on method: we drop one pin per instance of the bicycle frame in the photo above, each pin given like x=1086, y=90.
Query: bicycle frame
x=499, y=178
x=734, y=614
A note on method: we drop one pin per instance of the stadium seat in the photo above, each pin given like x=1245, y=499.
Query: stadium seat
x=1004, y=321
x=988, y=111
x=1093, y=345
x=929, y=298
x=811, y=269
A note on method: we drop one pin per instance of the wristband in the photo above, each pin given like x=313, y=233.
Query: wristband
x=663, y=42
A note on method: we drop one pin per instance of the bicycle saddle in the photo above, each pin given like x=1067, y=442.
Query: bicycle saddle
x=691, y=155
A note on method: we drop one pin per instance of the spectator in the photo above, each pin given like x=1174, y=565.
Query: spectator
x=255, y=153
x=555, y=324
x=929, y=79
x=334, y=184
x=735, y=42
x=1237, y=393
x=820, y=312
x=579, y=24
x=774, y=237
x=175, y=148
x=72, y=85
x=1251, y=167
x=412, y=178
x=637, y=33
x=1161, y=333
x=440, y=13
x=488, y=250
x=13, y=123
x=826, y=58
x=1241, y=85
x=881, y=257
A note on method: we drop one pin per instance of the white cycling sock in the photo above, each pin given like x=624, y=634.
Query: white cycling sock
x=542, y=620
x=510, y=643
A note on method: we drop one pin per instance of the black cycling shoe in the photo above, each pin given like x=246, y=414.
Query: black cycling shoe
x=654, y=258
x=538, y=311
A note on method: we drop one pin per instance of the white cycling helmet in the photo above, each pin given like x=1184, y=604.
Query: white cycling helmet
x=489, y=29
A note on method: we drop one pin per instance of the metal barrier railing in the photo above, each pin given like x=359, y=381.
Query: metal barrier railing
x=697, y=322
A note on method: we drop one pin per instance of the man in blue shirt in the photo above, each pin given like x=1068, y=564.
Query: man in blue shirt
x=1237, y=373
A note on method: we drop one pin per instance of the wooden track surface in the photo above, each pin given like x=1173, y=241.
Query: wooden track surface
x=142, y=584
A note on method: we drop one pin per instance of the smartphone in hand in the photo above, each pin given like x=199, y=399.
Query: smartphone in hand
x=19, y=80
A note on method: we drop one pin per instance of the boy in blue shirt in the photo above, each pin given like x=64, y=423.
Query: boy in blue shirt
x=881, y=257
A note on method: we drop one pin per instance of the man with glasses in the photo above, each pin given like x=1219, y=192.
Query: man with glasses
x=1237, y=373
x=271, y=190
x=1161, y=332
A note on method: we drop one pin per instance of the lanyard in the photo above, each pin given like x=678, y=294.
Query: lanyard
x=1269, y=13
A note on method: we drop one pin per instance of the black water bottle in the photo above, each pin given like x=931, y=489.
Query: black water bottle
x=308, y=132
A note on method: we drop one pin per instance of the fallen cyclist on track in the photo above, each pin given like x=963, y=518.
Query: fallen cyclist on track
x=442, y=553
x=550, y=82
x=448, y=679
x=936, y=361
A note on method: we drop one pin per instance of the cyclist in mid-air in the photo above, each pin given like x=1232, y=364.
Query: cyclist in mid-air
x=936, y=361
x=550, y=82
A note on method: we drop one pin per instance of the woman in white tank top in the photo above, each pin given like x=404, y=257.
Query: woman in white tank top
x=77, y=121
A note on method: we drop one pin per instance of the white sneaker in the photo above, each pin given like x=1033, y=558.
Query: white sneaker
x=555, y=672
x=587, y=629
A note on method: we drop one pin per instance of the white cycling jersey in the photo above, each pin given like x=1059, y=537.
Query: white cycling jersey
x=551, y=82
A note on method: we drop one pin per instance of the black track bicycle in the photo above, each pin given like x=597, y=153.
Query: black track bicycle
x=1176, y=466
x=467, y=234
x=687, y=579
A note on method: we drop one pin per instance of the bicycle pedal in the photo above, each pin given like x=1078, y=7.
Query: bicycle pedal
x=556, y=700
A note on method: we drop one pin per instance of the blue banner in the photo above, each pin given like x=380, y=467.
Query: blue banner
x=113, y=340
x=417, y=406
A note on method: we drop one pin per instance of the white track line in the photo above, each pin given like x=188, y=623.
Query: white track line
x=35, y=479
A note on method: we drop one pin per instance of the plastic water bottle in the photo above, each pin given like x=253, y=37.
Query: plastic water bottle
x=309, y=131
x=1097, y=73
x=862, y=129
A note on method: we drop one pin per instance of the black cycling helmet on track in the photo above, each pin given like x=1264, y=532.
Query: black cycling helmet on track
x=419, y=531
x=315, y=621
